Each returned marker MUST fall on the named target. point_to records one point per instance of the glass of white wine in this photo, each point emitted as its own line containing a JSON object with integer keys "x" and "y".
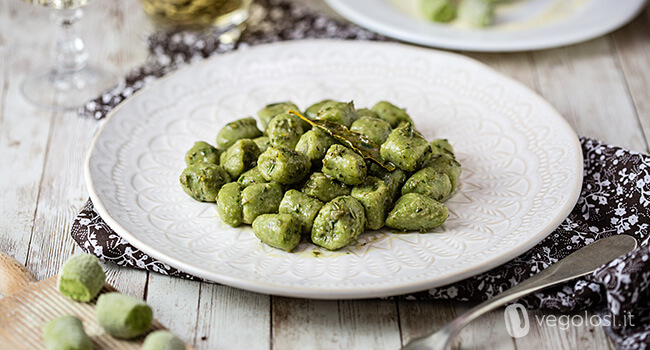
{"x": 70, "y": 81}
{"x": 223, "y": 17}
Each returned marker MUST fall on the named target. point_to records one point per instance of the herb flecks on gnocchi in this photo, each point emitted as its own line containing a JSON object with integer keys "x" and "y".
{"x": 325, "y": 175}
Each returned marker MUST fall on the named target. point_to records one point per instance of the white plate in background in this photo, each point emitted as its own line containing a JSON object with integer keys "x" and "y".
{"x": 520, "y": 26}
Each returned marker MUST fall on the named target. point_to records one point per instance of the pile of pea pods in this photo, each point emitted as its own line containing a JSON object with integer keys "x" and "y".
{"x": 294, "y": 179}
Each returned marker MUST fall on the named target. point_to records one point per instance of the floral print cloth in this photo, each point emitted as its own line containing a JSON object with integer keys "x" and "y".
{"x": 614, "y": 198}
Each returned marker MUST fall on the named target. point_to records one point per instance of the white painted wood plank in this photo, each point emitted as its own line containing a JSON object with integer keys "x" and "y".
{"x": 306, "y": 324}
{"x": 119, "y": 43}
{"x": 326, "y": 324}
{"x": 633, "y": 53}
{"x": 175, "y": 303}
{"x": 564, "y": 331}
{"x": 370, "y": 323}
{"x": 585, "y": 85}
{"x": 24, "y": 130}
{"x": 230, "y": 318}
{"x": 518, "y": 66}
{"x": 128, "y": 281}
{"x": 62, "y": 194}
{"x": 62, "y": 191}
{"x": 488, "y": 332}
{"x": 420, "y": 318}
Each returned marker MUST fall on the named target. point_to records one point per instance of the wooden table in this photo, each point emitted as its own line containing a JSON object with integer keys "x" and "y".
{"x": 601, "y": 87}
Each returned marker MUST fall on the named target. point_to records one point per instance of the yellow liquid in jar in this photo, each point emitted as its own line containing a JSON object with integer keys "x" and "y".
{"x": 197, "y": 13}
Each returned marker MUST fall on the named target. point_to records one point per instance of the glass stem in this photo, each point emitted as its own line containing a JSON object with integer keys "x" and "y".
{"x": 69, "y": 56}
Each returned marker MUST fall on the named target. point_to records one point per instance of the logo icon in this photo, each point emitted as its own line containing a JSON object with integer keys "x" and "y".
{"x": 517, "y": 322}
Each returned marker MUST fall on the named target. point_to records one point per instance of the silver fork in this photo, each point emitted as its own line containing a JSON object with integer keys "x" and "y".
{"x": 580, "y": 263}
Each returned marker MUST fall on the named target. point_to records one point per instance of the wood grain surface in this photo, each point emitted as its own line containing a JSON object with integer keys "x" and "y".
{"x": 24, "y": 313}
{"x": 601, "y": 87}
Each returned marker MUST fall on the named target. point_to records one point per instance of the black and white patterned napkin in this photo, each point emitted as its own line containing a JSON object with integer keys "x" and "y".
{"x": 614, "y": 198}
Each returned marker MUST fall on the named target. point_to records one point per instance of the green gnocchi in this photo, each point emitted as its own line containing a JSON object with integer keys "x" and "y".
{"x": 325, "y": 176}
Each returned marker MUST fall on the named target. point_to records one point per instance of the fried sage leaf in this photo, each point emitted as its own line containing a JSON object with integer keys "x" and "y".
{"x": 361, "y": 144}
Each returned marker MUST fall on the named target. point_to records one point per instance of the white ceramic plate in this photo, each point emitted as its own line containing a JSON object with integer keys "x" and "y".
{"x": 522, "y": 167}
{"x": 519, "y": 26}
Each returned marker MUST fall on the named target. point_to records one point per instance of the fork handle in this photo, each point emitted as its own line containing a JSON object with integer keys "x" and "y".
{"x": 580, "y": 263}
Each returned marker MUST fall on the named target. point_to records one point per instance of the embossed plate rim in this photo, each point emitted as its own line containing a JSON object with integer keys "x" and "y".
{"x": 335, "y": 291}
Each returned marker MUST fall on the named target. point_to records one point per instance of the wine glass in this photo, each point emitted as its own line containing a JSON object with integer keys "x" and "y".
{"x": 223, "y": 18}
{"x": 70, "y": 81}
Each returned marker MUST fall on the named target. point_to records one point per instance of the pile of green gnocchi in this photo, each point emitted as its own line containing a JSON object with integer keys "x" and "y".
{"x": 301, "y": 178}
